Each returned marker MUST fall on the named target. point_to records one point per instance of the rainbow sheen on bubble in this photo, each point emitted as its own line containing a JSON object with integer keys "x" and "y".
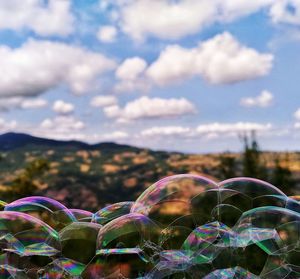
{"x": 183, "y": 226}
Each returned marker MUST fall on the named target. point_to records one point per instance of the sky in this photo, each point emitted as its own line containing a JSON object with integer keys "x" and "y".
{"x": 182, "y": 75}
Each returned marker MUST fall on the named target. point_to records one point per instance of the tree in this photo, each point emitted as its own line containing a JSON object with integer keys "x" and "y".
{"x": 251, "y": 159}
{"x": 24, "y": 184}
{"x": 282, "y": 177}
{"x": 228, "y": 166}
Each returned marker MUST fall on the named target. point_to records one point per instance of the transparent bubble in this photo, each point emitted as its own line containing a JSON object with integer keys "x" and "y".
{"x": 82, "y": 215}
{"x": 183, "y": 226}
{"x": 176, "y": 196}
{"x": 78, "y": 241}
{"x": 111, "y": 212}
{"x": 121, "y": 247}
{"x": 48, "y": 210}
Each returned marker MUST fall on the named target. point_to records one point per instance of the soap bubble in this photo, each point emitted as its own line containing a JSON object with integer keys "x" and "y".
{"x": 82, "y": 215}
{"x": 111, "y": 212}
{"x": 121, "y": 246}
{"x": 48, "y": 210}
{"x": 78, "y": 241}
{"x": 183, "y": 226}
{"x": 172, "y": 198}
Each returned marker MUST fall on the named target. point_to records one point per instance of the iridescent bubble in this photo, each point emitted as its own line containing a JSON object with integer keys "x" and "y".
{"x": 2, "y": 205}
{"x": 78, "y": 241}
{"x": 177, "y": 196}
{"x": 27, "y": 243}
{"x": 120, "y": 247}
{"x": 183, "y": 226}
{"x": 82, "y": 215}
{"x": 111, "y": 212}
{"x": 48, "y": 210}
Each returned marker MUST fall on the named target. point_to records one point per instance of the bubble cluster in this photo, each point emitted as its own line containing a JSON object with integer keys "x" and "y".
{"x": 183, "y": 226}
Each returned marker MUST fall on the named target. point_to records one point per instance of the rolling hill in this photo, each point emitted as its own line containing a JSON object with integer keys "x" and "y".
{"x": 90, "y": 176}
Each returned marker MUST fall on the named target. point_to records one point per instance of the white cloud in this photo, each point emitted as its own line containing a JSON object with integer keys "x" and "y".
{"x": 146, "y": 107}
{"x": 219, "y": 60}
{"x": 20, "y": 102}
{"x": 265, "y": 99}
{"x": 286, "y": 11}
{"x": 6, "y": 126}
{"x": 10, "y": 103}
{"x": 166, "y": 131}
{"x": 62, "y": 107}
{"x": 38, "y": 66}
{"x": 107, "y": 34}
{"x": 62, "y": 124}
{"x": 33, "y": 103}
{"x": 297, "y": 114}
{"x": 231, "y": 10}
{"x": 297, "y": 125}
{"x": 177, "y": 19}
{"x": 45, "y": 18}
{"x": 208, "y": 131}
{"x": 116, "y": 135}
{"x": 131, "y": 76}
{"x": 103, "y": 101}
{"x": 59, "y": 127}
{"x": 165, "y": 19}
{"x": 232, "y": 128}
{"x": 131, "y": 68}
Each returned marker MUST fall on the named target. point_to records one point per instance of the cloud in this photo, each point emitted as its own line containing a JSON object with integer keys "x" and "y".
{"x": 177, "y": 19}
{"x": 146, "y": 107}
{"x": 297, "y": 114}
{"x": 265, "y": 99}
{"x": 10, "y": 103}
{"x": 131, "y": 76}
{"x": 131, "y": 68}
{"x": 231, "y": 10}
{"x": 103, "y": 101}
{"x": 166, "y": 131}
{"x": 107, "y": 34}
{"x": 286, "y": 11}
{"x": 116, "y": 135}
{"x": 219, "y": 60}
{"x": 38, "y": 66}
{"x": 207, "y": 131}
{"x": 232, "y": 128}
{"x": 62, "y": 124}
{"x": 20, "y": 102}
{"x": 33, "y": 103}
{"x": 62, "y": 107}
{"x": 45, "y": 18}
{"x": 165, "y": 19}
{"x": 6, "y": 126}
{"x": 297, "y": 125}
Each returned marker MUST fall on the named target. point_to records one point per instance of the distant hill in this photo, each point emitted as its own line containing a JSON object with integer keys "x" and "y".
{"x": 12, "y": 141}
{"x": 82, "y": 175}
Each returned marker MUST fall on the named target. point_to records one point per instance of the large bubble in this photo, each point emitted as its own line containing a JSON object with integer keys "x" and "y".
{"x": 183, "y": 226}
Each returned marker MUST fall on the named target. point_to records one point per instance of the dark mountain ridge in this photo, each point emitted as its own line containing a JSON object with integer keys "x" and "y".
{"x": 12, "y": 141}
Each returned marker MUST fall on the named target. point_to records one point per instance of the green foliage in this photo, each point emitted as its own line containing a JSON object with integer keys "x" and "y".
{"x": 253, "y": 165}
{"x": 282, "y": 178}
{"x": 227, "y": 166}
{"x": 24, "y": 184}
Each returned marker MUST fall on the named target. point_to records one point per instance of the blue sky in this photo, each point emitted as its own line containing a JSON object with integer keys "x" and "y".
{"x": 180, "y": 75}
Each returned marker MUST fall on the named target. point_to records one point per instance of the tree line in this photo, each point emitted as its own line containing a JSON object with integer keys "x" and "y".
{"x": 253, "y": 164}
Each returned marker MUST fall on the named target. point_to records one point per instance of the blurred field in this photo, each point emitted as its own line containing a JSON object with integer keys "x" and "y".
{"x": 90, "y": 178}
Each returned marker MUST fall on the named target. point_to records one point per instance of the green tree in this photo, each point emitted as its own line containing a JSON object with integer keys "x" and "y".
{"x": 227, "y": 167}
{"x": 282, "y": 177}
{"x": 24, "y": 184}
{"x": 252, "y": 161}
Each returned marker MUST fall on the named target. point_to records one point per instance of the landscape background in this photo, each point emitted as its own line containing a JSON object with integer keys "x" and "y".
{"x": 91, "y": 176}
{"x": 142, "y": 89}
